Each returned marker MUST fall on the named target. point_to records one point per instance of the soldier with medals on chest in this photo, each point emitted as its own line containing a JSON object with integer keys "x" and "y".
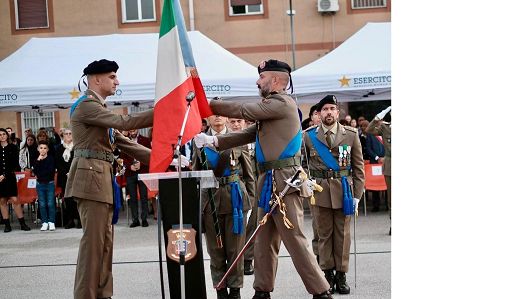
{"x": 91, "y": 176}
{"x": 233, "y": 170}
{"x": 337, "y": 165}
{"x": 278, "y": 138}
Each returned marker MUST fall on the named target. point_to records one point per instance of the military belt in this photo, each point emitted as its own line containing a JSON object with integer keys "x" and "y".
{"x": 329, "y": 174}
{"x": 277, "y": 164}
{"x": 224, "y": 180}
{"x": 92, "y": 154}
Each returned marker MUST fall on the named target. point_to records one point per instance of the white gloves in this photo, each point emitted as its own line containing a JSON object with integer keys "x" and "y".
{"x": 382, "y": 114}
{"x": 184, "y": 162}
{"x": 356, "y": 200}
{"x": 202, "y": 140}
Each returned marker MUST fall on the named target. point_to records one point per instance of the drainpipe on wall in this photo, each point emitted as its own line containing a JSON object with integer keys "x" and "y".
{"x": 192, "y": 16}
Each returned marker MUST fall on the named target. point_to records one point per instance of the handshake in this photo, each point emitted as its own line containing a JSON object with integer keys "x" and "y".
{"x": 201, "y": 140}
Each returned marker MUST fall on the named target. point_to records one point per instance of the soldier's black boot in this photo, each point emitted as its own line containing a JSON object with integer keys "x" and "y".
{"x": 340, "y": 283}
{"x": 234, "y": 293}
{"x": 329, "y": 275}
{"x": 23, "y": 225}
{"x": 7, "y": 223}
{"x": 324, "y": 295}
{"x": 222, "y": 294}
{"x": 248, "y": 267}
{"x": 261, "y": 295}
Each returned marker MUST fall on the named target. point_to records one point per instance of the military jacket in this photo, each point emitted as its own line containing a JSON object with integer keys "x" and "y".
{"x": 238, "y": 161}
{"x": 277, "y": 124}
{"x": 331, "y": 196}
{"x": 90, "y": 123}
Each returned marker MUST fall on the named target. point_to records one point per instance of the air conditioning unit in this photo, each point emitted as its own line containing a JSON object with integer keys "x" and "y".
{"x": 328, "y": 5}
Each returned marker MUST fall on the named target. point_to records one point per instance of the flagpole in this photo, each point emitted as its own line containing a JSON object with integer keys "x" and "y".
{"x": 182, "y": 248}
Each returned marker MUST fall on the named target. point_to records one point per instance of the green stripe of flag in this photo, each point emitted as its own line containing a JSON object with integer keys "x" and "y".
{"x": 167, "y": 18}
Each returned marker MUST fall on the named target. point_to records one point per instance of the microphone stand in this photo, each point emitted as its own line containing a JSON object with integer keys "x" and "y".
{"x": 177, "y": 154}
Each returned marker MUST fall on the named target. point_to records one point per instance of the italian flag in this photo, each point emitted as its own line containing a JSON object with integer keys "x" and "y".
{"x": 176, "y": 76}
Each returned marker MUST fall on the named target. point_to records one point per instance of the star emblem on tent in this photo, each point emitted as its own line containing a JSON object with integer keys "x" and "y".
{"x": 344, "y": 81}
{"x": 74, "y": 93}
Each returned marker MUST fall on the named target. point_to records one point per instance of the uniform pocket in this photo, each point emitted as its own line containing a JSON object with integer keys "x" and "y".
{"x": 89, "y": 173}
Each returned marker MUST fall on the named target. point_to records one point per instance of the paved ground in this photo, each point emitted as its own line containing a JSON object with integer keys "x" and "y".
{"x": 41, "y": 265}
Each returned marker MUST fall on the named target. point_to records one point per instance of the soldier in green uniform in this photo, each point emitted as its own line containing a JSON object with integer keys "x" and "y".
{"x": 335, "y": 155}
{"x": 91, "y": 174}
{"x": 278, "y": 138}
{"x": 382, "y": 128}
{"x": 233, "y": 170}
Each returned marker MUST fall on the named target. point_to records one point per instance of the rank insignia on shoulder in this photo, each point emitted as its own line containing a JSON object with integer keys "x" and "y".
{"x": 266, "y": 101}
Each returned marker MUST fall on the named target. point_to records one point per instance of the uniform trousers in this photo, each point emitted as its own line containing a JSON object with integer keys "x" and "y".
{"x": 93, "y": 277}
{"x": 267, "y": 247}
{"x": 222, "y": 258}
{"x": 334, "y": 238}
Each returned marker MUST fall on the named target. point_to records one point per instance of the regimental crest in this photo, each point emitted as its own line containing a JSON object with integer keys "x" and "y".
{"x": 188, "y": 245}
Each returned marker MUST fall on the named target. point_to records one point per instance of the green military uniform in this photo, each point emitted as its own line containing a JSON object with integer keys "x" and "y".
{"x": 384, "y": 131}
{"x": 278, "y": 123}
{"x": 90, "y": 183}
{"x": 238, "y": 161}
{"x": 333, "y": 226}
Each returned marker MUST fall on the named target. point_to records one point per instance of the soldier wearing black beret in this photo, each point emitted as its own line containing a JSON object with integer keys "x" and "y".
{"x": 95, "y": 135}
{"x": 328, "y": 99}
{"x": 278, "y": 137}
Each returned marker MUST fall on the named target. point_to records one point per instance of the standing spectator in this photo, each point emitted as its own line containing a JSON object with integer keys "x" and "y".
{"x": 353, "y": 123}
{"x": 42, "y": 136}
{"x": 133, "y": 169}
{"x": 382, "y": 128}
{"x": 12, "y": 137}
{"x": 28, "y": 153}
{"x": 63, "y": 158}
{"x": 44, "y": 169}
{"x": 8, "y": 186}
{"x": 347, "y": 118}
{"x": 374, "y": 152}
{"x": 28, "y": 131}
{"x": 204, "y": 127}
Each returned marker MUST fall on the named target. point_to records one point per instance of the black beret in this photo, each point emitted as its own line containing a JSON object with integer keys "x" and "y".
{"x": 273, "y": 65}
{"x": 100, "y": 67}
{"x": 329, "y": 99}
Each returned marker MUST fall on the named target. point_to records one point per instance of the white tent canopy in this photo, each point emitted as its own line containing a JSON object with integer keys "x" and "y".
{"x": 45, "y": 71}
{"x": 359, "y": 66}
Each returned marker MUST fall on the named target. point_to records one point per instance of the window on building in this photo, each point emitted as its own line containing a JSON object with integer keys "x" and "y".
{"x": 134, "y": 11}
{"x": 363, "y": 4}
{"x": 31, "y": 14}
{"x": 35, "y": 120}
{"x": 245, "y": 7}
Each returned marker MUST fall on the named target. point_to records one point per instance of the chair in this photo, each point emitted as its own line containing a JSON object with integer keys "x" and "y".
{"x": 374, "y": 180}
{"x": 27, "y": 193}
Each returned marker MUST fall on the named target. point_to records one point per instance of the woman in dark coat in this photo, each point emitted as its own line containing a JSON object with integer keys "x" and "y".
{"x": 63, "y": 157}
{"x": 9, "y": 158}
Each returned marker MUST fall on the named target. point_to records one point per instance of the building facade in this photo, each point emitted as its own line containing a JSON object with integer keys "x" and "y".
{"x": 254, "y": 30}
